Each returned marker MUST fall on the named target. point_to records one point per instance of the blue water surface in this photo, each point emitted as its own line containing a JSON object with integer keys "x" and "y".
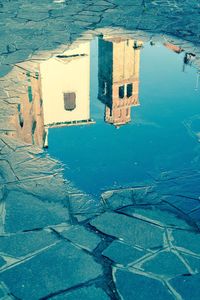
{"x": 101, "y": 156}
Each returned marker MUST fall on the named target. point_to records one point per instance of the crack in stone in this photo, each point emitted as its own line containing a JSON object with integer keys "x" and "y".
{"x": 74, "y": 288}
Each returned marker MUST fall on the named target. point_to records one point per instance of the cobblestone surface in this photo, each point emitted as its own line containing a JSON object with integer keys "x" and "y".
{"x": 134, "y": 237}
{"x": 57, "y": 242}
{"x": 30, "y": 26}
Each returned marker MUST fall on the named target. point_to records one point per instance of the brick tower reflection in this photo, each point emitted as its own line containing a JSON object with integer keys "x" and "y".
{"x": 119, "y": 62}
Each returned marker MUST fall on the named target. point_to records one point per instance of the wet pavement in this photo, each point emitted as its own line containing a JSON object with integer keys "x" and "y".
{"x": 103, "y": 226}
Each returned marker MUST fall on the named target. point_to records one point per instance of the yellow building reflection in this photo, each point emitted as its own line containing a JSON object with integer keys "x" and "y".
{"x": 119, "y": 64}
{"x": 29, "y": 120}
{"x": 66, "y": 87}
{"x": 58, "y": 94}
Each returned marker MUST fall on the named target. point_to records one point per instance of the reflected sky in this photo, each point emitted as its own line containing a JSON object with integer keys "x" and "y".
{"x": 158, "y": 136}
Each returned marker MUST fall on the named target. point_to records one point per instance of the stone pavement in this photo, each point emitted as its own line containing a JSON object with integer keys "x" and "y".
{"x": 30, "y": 26}
{"x": 56, "y": 241}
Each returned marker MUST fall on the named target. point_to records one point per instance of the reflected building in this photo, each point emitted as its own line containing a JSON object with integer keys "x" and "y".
{"x": 56, "y": 91}
{"x": 66, "y": 87}
{"x": 57, "y": 94}
{"x": 29, "y": 121}
{"x": 119, "y": 64}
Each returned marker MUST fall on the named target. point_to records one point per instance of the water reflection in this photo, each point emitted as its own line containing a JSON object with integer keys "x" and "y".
{"x": 66, "y": 88}
{"x": 58, "y": 94}
{"x": 59, "y": 91}
{"x": 30, "y": 119}
{"x": 101, "y": 83}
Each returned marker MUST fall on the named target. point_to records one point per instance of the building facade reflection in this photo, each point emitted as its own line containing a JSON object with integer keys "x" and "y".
{"x": 118, "y": 73}
{"x": 66, "y": 87}
{"x": 57, "y": 90}
{"x": 57, "y": 94}
{"x": 29, "y": 121}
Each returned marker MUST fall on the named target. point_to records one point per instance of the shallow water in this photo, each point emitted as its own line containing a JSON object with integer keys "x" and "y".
{"x": 160, "y": 135}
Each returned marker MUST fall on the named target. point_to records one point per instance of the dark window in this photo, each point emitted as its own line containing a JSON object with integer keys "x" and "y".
{"x": 129, "y": 90}
{"x": 30, "y": 95}
{"x": 121, "y": 91}
{"x": 69, "y": 101}
{"x": 105, "y": 88}
{"x": 34, "y": 124}
{"x": 21, "y": 120}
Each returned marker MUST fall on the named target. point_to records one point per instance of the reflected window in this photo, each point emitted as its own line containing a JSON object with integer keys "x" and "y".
{"x": 105, "y": 88}
{"x": 121, "y": 92}
{"x": 129, "y": 90}
{"x": 69, "y": 101}
{"x": 21, "y": 120}
{"x": 34, "y": 124}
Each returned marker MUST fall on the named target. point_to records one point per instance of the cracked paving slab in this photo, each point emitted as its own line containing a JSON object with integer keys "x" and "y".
{"x": 26, "y": 212}
{"x": 26, "y": 25}
{"x": 147, "y": 287}
{"x": 142, "y": 234}
{"x": 81, "y": 237}
{"x": 89, "y": 293}
{"x": 122, "y": 253}
{"x": 22, "y": 244}
{"x": 59, "y": 268}
{"x": 185, "y": 284}
{"x": 165, "y": 263}
{"x": 158, "y": 217}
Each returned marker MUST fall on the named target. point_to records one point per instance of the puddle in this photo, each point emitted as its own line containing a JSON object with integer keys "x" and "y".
{"x": 114, "y": 110}
{"x": 131, "y": 104}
